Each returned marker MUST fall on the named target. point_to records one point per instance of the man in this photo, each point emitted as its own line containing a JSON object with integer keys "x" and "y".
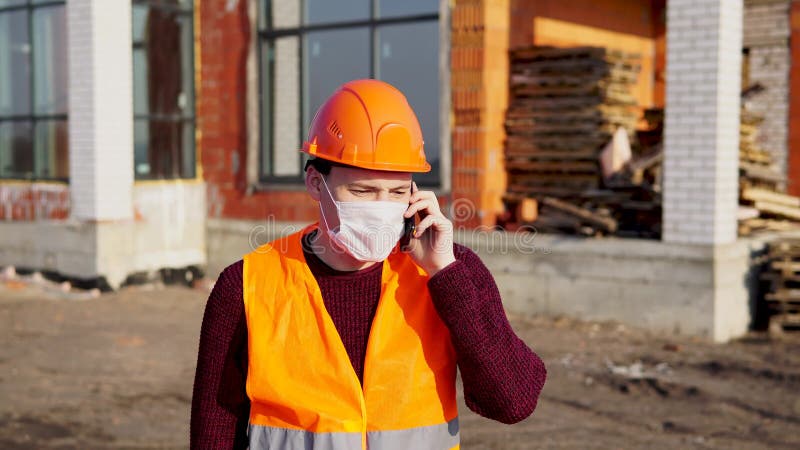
{"x": 336, "y": 338}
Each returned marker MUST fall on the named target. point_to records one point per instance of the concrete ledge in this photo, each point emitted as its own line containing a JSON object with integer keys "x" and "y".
{"x": 698, "y": 290}
{"x": 688, "y": 289}
{"x": 169, "y": 233}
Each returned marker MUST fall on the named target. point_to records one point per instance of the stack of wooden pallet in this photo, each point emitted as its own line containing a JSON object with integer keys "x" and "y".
{"x": 630, "y": 211}
{"x": 565, "y": 105}
{"x": 756, "y": 165}
{"x": 780, "y": 305}
{"x": 763, "y": 205}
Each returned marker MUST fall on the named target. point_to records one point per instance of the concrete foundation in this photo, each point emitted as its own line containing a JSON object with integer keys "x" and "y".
{"x": 168, "y": 232}
{"x": 705, "y": 291}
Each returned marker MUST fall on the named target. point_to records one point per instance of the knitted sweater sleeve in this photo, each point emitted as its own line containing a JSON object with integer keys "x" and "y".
{"x": 220, "y": 407}
{"x": 502, "y": 376}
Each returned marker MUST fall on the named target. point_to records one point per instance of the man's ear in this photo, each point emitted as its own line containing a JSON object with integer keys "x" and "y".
{"x": 314, "y": 183}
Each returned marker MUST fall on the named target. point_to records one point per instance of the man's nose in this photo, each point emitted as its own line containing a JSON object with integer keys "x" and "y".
{"x": 382, "y": 195}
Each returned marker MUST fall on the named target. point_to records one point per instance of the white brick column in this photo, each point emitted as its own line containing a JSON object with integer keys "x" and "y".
{"x": 701, "y": 136}
{"x": 100, "y": 109}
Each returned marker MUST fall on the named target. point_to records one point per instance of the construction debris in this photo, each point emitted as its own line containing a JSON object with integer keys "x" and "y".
{"x": 10, "y": 279}
{"x": 780, "y": 304}
{"x": 566, "y": 104}
{"x": 760, "y": 184}
{"x": 569, "y": 124}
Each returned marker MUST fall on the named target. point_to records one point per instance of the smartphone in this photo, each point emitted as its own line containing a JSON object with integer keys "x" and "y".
{"x": 409, "y": 226}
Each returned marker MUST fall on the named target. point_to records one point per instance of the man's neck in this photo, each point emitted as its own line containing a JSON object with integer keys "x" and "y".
{"x": 335, "y": 258}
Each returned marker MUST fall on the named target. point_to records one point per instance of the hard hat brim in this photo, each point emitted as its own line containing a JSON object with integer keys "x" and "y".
{"x": 389, "y": 167}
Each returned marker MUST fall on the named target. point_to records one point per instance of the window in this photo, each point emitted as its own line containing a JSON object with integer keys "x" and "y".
{"x": 163, "y": 89}
{"x": 308, "y": 48}
{"x": 33, "y": 90}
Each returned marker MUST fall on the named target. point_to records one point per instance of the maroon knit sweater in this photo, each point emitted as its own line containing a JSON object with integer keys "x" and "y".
{"x": 502, "y": 377}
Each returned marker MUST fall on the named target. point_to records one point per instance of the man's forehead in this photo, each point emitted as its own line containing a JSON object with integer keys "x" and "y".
{"x": 375, "y": 178}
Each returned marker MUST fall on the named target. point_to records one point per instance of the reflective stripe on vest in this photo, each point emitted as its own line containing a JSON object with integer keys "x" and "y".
{"x": 434, "y": 437}
{"x": 302, "y": 387}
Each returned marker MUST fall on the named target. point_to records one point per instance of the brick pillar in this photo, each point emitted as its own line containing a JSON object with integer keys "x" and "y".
{"x": 100, "y": 109}
{"x": 701, "y": 136}
{"x": 479, "y": 86}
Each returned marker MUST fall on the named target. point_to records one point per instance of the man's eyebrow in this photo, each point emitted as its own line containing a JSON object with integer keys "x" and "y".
{"x": 358, "y": 185}
{"x": 405, "y": 186}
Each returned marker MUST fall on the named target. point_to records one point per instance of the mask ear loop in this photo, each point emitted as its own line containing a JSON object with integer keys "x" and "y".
{"x": 322, "y": 211}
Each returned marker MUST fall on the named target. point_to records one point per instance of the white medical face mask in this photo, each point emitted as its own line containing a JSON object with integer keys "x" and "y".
{"x": 368, "y": 230}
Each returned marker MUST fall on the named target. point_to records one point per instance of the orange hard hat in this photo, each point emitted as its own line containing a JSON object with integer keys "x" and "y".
{"x": 368, "y": 124}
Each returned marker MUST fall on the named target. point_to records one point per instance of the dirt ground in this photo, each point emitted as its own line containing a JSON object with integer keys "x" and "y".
{"x": 116, "y": 372}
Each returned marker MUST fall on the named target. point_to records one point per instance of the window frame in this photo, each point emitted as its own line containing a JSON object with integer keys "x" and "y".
{"x": 32, "y": 117}
{"x": 187, "y": 11}
{"x": 266, "y": 36}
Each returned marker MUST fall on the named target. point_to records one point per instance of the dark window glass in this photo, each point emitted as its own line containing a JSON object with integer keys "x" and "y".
{"x": 328, "y": 11}
{"x": 33, "y": 90}
{"x": 50, "y": 60}
{"x": 408, "y": 58}
{"x": 394, "y": 8}
{"x": 267, "y": 74}
{"x": 52, "y": 160}
{"x": 332, "y": 58}
{"x": 163, "y": 90}
{"x": 341, "y": 41}
{"x": 139, "y": 16}
{"x": 141, "y": 140}
{"x": 15, "y": 64}
{"x": 16, "y": 155}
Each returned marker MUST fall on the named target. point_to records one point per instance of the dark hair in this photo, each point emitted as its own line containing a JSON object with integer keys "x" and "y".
{"x": 323, "y": 166}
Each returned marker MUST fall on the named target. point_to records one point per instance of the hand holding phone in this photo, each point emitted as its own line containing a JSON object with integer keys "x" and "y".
{"x": 432, "y": 245}
{"x": 409, "y": 226}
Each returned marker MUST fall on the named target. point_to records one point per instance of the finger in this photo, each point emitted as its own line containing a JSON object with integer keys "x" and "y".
{"x": 437, "y": 222}
{"x": 422, "y": 195}
{"x": 427, "y": 206}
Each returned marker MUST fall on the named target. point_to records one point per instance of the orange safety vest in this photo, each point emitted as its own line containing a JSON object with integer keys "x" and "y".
{"x": 303, "y": 390}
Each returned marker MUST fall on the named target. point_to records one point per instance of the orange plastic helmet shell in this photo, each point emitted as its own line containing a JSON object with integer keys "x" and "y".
{"x": 368, "y": 124}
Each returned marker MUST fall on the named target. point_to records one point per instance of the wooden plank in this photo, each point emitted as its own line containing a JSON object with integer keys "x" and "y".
{"x": 759, "y": 172}
{"x": 772, "y": 197}
{"x": 649, "y": 160}
{"x": 573, "y": 75}
{"x": 787, "y": 267}
{"x": 567, "y": 142}
{"x": 545, "y": 191}
{"x": 534, "y": 129}
{"x": 607, "y": 223}
{"x": 542, "y": 178}
{"x": 549, "y": 52}
{"x": 558, "y": 103}
{"x": 784, "y": 295}
{"x": 560, "y": 155}
{"x": 788, "y": 319}
{"x": 553, "y": 166}
{"x": 778, "y": 210}
{"x": 534, "y": 144}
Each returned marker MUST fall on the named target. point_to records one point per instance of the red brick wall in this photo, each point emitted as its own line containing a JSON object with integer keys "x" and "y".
{"x": 223, "y": 47}
{"x": 629, "y": 25}
{"x": 793, "y": 175}
{"x": 479, "y": 82}
{"x": 23, "y": 201}
{"x": 623, "y": 16}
